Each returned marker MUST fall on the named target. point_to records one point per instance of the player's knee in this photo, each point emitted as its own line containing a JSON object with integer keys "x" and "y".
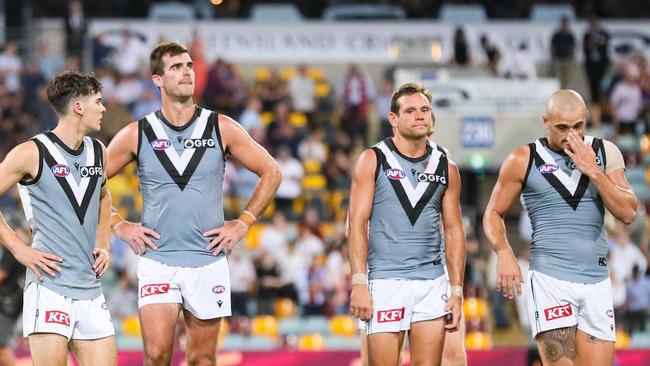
{"x": 454, "y": 357}
{"x": 201, "y": 359}
{"x": 157, "y": 355}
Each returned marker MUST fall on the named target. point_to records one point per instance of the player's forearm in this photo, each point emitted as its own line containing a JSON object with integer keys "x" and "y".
{"x": 358, "y": 247}
{"x": 495, "y": 231}
{"x": 8, "y": 237}
{"x": 455, "y": 256}
{"x": 265, "y": 190}
{"x": 621, "y": 202}
{"x": 104, "y": 222}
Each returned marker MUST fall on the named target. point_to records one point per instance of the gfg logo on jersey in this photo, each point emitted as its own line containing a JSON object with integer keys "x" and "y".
{"x": 387, "y": 316}
{"x": 60, "y": 170}
{"x": 548, "y": 168}
{"x": 91, "y": 171}
{"x": 160, "y": 144}
{"x": 395, "y": 174}
{"x": 154, "y": 289}
{"x": 572, "y": 165}
{"x": 57, "y": 317}
{"x": 431, "y": 178}
{"x": 198, "y": 143}
{"x": 558, "y": 312}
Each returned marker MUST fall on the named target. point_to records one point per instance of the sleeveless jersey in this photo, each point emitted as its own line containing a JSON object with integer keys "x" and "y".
{"x": 62, "y": 208}
{"x": 405, "y": 235}
{"x": 181, "y": 172}
{"x": 566, "y": 213}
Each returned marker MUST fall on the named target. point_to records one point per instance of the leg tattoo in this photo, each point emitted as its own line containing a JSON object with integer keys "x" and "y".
{"x": 559, "y": 343}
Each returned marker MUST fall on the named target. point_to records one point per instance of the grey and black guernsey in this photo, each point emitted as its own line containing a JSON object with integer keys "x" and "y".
{"x": 62, "y": 208}
{"x": 181, "y": 171}
{"x": 404, "y": 235}
{"x": 566, "y": 213}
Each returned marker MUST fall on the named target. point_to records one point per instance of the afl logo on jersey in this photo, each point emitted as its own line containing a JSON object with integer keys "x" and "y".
{"x": 90, "y": 171}
{"x": 161, "y": 144}
{"x": 548, "y": 168}
{"x": 395, "y": 174}
{"x": 60, "y": 170}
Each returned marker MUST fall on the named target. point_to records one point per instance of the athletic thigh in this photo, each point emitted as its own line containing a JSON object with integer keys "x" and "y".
{"x": 384, "y": 348}
{"x": 453, "y": 350}
{"x": 48, "y": 349}
{"x": 100, "y": 352}
{"x": 426, "y": 339}
{"x": 557, "y": 347}
{"x": 158, "y": 324}
{"x": 202, "y": 335}
{"x": 594, "y": 351}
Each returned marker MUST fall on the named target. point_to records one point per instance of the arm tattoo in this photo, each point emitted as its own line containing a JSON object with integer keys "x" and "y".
{"x": 559, "y": 343}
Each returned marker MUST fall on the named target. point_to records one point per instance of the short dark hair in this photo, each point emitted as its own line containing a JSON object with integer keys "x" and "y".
{"x": 155, "y": 59}
{"x": 408, "y": 89}
{"x": 69, "y": 85}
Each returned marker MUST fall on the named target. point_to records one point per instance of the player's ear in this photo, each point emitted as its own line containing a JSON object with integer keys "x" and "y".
{"x": 157, "y": 80}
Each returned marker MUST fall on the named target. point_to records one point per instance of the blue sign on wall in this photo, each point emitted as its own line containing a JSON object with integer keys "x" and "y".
{"x": 477, "y": 132}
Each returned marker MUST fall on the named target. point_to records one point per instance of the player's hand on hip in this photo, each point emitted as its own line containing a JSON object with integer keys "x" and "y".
{"x": 38, "y": 261}
{"x": 361, "y": 302}
{"x": 226, "y": 237}
{"x": 454, "y": 305}
{"x": 102, "y": 259}
{"x": 508, "y": 274}
{"x": 137, "y": 236}
{"x": 581, "y": 154}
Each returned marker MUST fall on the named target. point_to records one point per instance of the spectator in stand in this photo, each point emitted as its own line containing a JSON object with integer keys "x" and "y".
{"x": 31, "y": 81}
{"x": 291, "y": 185}
{"x": 337, "y": 169}
{"x": 76, "y": 26}
{"x": 149, "y": 102}
{"x": 102, "y": 52}
{"x": 273, "y": 91}
{"x": 563, "y": 46}
{"x": 12, "y": 281}
{"x": 493, "y": 56}
{"x": 522, "y": 65}
{"x": 123, "y": 300}
{"x": 356, "y": 91}
{"x": 130, "y": 56}
{"x": 10, "y": 67}
{"x": 302, "y": 92}
{"x": 313, "y": 148}
{"x": 626, "y": 101}
{"x": 293, "y": 269}
{"x": 115, "y": 118}
{"x": 242, "y": 282}
{"x": 318, "y": 291}
{"x": 269, "y": 283}
{"x": 637, "y": 304}
{"x": 383, "y": 107}
{"x": 462, "y": 55}
{"x": 280, "y": 132}
{"x": 200, "y": 65}
{"x": 594, "y": 44}
{"x": 129, "y": 90}
{"x": 624, "y": 253}
{"x": 48, "y": 63}
{"x": 251, "y": 118}
{"x": 275, "y": 238}
{"x": 308, "y": 245}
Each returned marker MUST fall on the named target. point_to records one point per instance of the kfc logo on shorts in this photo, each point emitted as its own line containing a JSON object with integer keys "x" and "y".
{"x": 610, "y": 313}
{"x": 387, "y": 316}
{"x": 395, "y": 174}
{"x": 548, "y": 168}
{"x": 57, "y": 317}
{"x": 218, "y": 289}
{"x": 154, "y": 289}
{"x": 558, "y": 312}
{"x": 60, "y": 170}
{"x": 161, "y": 144}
